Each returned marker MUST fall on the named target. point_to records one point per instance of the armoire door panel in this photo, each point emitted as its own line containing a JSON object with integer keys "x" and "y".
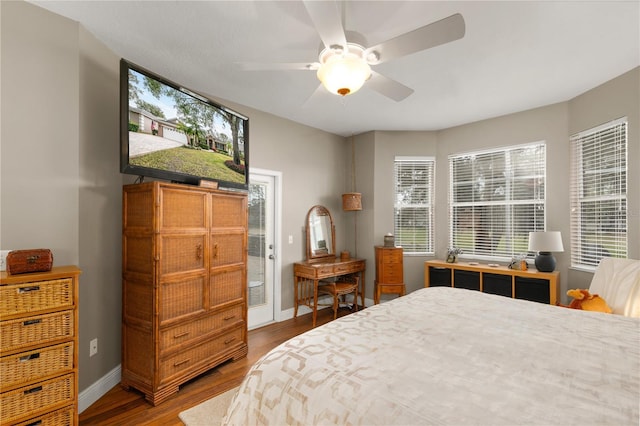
{"x": 182, "y": 253}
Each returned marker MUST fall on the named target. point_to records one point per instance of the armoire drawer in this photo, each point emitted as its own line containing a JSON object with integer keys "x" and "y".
{"x": 40, "y": 329}
{"x": 36, "y": 364}
{"x": 178, "y": 335}
{"x": 189, "y": 358}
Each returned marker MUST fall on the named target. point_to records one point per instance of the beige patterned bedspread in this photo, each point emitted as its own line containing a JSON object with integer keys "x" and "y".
{"x": 450, "y": 356}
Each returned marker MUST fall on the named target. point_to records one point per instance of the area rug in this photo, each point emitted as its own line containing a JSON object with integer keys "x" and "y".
{"x": 210, "y": 412}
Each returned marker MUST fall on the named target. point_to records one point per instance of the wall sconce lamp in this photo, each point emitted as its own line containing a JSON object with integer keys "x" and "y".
{"x": 543, "y": 243}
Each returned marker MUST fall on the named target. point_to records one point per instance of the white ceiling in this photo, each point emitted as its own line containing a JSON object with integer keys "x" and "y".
{"x": 514, "y": 56}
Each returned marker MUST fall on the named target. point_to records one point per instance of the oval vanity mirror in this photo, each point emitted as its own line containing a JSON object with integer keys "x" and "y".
{"x": 320, "y": 234}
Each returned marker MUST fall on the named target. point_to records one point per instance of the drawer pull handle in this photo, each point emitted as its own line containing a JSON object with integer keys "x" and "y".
{"x": 36, "y": 423}
{"x": 22, "y": 290}
{"x": 33, "y": 390}
{"x": 226, "y": 342}
{"x": 178, "y": 363}
{"x": 32, "y": 321}
{"x": 29, "y": 357}
{"x": 229, "y": 317}
{"x": 177, "y": 336}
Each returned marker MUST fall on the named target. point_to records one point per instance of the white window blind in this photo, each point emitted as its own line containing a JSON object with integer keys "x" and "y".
{"x": 413, "y": 206}
{"x": 599, "y": 194}
{"x": 496, "y": 198}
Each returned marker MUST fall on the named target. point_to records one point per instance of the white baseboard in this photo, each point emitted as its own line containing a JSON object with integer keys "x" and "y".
{"x": 98, "y": 389}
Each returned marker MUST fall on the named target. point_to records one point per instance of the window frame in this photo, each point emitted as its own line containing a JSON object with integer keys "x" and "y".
{"x": 414, "y": 246}
{"x": 485, "y": 248}
{"x": 594, "y": 180}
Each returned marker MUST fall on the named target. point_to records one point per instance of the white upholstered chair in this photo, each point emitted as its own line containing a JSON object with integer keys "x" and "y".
{"x": 618, "y": 282}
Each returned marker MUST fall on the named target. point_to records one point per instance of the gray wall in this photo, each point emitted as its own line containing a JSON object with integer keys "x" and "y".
{"x": 60, "y": 184}
{"x": 552, "y": 124}
{"x": 614, "y": 99}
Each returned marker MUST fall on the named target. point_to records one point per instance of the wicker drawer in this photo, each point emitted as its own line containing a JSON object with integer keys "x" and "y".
{"x": 36, "y": 364}
{"x": 189, "y": 359}
{"x": 16, "y": 299}
{"x": 62, "y": 417}
{"x": 171, "y": 337}
{"x": 24, "y": 402}
{"x": 38, "y": 329}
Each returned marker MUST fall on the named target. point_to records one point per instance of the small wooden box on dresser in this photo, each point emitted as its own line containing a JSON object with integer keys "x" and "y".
{"x": 39, "y": 349}
{"x": 389, "y": 272}
{"x": 184, "y": 259}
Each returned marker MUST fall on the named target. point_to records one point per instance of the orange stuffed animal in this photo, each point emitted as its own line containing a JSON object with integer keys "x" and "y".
{"x": 586, "y": 301}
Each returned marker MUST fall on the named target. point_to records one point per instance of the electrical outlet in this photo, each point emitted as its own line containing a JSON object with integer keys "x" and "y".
{"x": 3, "y": 259}
{"x": 93, "y": 347}
{"x": 290, "y": 239}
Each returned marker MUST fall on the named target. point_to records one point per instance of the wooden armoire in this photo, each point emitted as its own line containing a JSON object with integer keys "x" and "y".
{"x": 184, "y": 305}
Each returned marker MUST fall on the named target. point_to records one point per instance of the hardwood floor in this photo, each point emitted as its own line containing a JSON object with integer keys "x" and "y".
{"x": 120, "y": 407}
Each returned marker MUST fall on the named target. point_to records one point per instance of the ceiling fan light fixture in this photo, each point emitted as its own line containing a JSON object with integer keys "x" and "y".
{"x": 373, "y": 57}
{"x": 344, "y": 74}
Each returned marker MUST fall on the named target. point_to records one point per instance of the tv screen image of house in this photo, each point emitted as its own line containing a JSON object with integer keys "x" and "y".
{"x": 173, "y": 133}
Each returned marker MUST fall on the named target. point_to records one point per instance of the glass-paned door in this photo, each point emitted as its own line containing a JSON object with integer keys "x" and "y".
{"x": 261, "y": 250}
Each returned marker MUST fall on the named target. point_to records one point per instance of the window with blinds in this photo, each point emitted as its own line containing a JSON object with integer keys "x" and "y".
{"x": 413, "y": 205}
{"x": 496, "y": 198}
{"x": 599, "y": 194}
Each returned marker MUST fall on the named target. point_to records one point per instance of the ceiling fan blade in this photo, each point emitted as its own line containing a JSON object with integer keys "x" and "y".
{"x": 434, "y": 34}
{"x": 259, "y": 66}
{"x": 327, "y": 19}
{"x": 316, "y": 94}
{"x": 388, "y": 87}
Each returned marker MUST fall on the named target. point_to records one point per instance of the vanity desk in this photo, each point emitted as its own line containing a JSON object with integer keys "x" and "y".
{"x": 307, "y": 274}
{"x": 322, "y": 262}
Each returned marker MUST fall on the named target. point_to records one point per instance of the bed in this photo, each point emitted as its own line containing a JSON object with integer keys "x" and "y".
{"x": 450, "y": 356}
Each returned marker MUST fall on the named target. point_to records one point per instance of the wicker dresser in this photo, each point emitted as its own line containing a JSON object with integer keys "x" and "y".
{"x": 184, "y": 284}
{"x": 39, "y": 349}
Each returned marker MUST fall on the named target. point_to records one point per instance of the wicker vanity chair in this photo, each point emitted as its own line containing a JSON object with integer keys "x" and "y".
{"x": 339, "y": 288}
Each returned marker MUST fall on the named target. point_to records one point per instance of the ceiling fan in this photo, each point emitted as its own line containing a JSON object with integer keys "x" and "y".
{"x": 345, "y": 60}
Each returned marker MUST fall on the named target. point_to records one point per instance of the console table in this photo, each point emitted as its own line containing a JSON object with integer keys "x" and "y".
{"x": 519, "y": 284}
{"x": 307, "y": 274}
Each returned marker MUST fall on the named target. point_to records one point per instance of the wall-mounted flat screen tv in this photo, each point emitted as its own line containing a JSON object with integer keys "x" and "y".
{"x": 173, "y": 133}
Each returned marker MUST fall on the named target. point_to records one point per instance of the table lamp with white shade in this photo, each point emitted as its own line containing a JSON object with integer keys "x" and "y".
{"x": 544, "y": 243}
